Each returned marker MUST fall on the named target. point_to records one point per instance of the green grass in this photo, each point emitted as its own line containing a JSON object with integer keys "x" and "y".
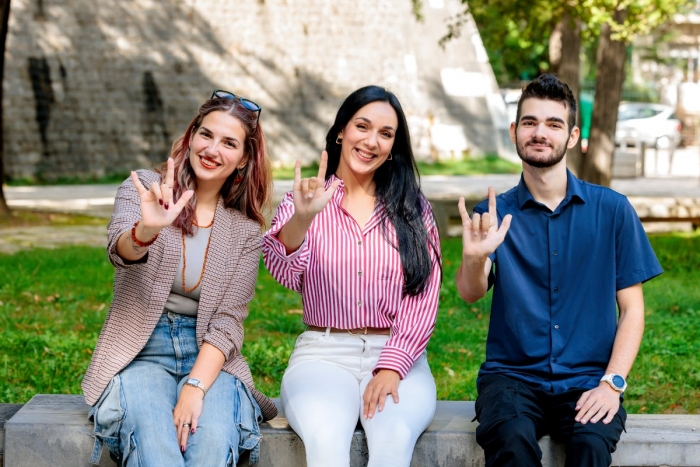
{"x": 489, "y": 164}
{"x": 109, "y": 179}
{"x": 53, "y": 303}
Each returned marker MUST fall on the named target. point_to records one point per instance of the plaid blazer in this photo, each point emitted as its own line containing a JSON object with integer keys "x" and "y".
{"x": 141, "y": 290}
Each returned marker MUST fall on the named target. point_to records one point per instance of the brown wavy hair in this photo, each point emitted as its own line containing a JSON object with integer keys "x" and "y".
{"x": 253, "y": 195}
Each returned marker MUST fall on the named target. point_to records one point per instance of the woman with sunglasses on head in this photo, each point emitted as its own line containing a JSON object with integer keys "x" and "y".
{"x": 360, "y": 243}
{"x": 167, "y": 382}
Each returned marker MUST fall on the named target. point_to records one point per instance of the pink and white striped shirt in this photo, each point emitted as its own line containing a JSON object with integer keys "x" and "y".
{"x": 351, "y": 278}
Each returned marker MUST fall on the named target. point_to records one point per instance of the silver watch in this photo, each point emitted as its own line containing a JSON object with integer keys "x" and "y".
{"x": 617, "y": 382}
{"x": 198, "y": 384}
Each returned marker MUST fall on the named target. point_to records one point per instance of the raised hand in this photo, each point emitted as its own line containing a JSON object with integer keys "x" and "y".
{"x": 310, "y": 194}
{"x": 157, "y": 207}
{"x": 481, "y": 234}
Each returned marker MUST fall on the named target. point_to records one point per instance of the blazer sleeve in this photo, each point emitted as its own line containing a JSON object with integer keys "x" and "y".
{"x": 225, "y": 329}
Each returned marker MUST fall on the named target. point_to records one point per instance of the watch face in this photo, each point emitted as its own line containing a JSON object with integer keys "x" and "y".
{"x": 193, "y": 381}
{"x": 618, "y": 381}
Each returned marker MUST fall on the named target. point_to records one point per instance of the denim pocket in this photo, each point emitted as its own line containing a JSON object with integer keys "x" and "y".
{"x": 248, "y": 419}
{"x": 107, "y": 415}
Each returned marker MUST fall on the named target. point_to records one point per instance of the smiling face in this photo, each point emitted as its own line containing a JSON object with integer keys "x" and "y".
{"x": 542, "y": 136}
{"x": 217, "y": 148}
{"x": 367, "y": 140}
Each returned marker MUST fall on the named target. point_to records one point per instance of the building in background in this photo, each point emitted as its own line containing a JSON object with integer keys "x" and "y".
{"x": 93, "y": 88}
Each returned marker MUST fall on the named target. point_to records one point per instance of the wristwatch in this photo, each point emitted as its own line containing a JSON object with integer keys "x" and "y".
{"x": 617, "y": 382}
{"x": 198, "y": 384}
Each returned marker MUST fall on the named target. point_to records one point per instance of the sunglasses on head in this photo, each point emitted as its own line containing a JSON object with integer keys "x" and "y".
{"x": 247, "y": 103}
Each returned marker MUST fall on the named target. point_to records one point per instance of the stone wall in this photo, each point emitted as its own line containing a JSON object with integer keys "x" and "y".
{"x": 97, "y": 87}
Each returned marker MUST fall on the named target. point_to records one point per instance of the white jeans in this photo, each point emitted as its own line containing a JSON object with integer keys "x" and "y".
{"x": 322, "y": 393}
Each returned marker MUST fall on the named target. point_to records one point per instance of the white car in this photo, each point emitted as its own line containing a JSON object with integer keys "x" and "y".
{"x": 655, "y": 125}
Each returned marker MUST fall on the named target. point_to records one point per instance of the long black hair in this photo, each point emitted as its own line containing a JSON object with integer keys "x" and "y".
{"x": 397, "y": 188}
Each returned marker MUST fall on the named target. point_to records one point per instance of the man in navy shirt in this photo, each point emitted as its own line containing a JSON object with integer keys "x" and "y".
{"x": 565, "y": 254}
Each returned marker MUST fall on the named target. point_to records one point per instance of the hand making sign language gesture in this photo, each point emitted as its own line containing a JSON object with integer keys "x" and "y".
{"x": 481, "y": 235}
{"x": 157, "y": 211}
{"x": 157, "y": 207}
{"x": 310, "y": 194}
{"x": 310, "y": 197}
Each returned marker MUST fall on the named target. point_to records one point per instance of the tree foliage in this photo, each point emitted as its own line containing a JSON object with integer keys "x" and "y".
{"x": 515, "y": 33}
{"x": 516, "y": 36}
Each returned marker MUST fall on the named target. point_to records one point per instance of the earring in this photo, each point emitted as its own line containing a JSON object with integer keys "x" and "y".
{"x": 239, "y": 176}
{"x": 339, "y": 140}
{"x": 390, "y": 157}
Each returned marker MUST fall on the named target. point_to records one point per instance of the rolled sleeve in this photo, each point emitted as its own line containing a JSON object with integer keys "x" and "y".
{"x": 287, "y": 269}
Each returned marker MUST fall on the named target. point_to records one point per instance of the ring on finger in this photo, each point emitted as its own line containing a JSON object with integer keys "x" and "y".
{"x": 186, "y": 425}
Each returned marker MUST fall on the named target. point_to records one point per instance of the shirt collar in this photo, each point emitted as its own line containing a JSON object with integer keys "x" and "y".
{"x": 340, "y": 192}
{"x": 574, "y": 189}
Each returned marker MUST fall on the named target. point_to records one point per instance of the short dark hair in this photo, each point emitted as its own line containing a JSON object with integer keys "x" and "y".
{"x": 548, "y": 86}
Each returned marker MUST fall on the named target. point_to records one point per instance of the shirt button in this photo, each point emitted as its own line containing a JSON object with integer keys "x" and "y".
{"x": 555, "y": 253}
{"x": 556, "y": 326}
{"x": 359, "y": 303}
{"x": 554, "y": 360}
{"x": 556, "y": 289}
{"x": 359, "y": 243}
{"x": 359, "y": 273}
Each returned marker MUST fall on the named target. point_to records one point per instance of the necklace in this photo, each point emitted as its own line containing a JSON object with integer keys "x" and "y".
{"x": 184, "y": 258}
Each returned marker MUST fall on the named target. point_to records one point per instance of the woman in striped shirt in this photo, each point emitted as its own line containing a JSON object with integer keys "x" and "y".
{"x": 360, "y": 243}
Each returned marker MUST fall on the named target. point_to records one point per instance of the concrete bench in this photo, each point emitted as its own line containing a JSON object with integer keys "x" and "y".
{"x": 648, "y": 208}
{"x": 52, "y": 430}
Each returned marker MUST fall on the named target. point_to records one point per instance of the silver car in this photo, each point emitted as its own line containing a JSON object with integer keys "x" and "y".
{"x": 655, "y": 125}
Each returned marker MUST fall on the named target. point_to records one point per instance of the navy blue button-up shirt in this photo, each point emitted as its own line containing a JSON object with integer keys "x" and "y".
{"x": 554, "y": 314}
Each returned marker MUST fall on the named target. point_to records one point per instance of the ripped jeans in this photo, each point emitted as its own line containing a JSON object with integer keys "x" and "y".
{"x": 134, "y": 415}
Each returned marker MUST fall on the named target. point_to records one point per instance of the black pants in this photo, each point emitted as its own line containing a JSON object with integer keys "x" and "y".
{"x": 513, "y": 416}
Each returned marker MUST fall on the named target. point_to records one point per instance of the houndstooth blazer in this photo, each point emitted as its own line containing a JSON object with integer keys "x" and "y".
{"x": 141, "y": 290}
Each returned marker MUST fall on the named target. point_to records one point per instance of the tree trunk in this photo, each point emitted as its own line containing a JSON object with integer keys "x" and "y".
{"x": 555, "y": 46}
{"x": 568, "y": 55}
{"x": 5, "y": 13}
{"x": 610, "y": 63}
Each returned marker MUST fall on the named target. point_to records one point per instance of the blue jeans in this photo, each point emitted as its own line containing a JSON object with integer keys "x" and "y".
{"x": 134, "y": 415}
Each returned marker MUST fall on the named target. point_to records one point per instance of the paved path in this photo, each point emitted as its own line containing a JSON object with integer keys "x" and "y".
{"x": 23, "y": 238}
{"x": 683, "y": 180}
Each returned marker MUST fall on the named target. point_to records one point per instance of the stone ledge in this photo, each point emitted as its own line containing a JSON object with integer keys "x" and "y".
{"x": 52, "y": 430}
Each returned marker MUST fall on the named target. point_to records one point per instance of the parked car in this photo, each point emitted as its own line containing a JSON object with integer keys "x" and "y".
{"x": 655, "y": 125}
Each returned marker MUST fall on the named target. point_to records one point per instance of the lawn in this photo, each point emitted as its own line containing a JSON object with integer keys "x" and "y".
{"x": 53, "y": 303}
{"x": 489, "y": 164}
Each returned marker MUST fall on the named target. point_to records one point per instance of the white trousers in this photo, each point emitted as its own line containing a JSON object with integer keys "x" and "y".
{"x": 322, "y": 392}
